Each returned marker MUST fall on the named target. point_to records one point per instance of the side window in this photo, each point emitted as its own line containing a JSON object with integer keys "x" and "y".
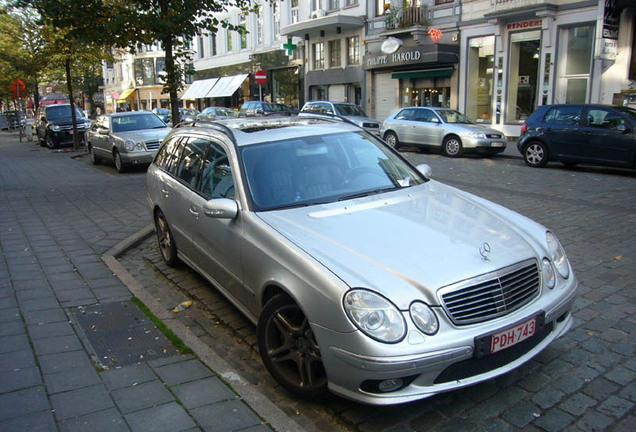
{"x": 423, "y": 115}
{"x": 604, "y": 119}
{"x": 216, "y": 178}
{"x": 405, "y": 114}
{"x": 189, "y": 167}
{"x": 171, "y": 152}
{"x": 569, "y": 115}
{"x": 162, "y": 155}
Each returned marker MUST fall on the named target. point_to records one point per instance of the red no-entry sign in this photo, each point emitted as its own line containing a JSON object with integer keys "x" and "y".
{"x": 261, "y": 77}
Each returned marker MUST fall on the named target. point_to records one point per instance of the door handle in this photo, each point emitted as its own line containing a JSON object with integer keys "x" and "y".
{"x": 165, "y": 191}
{"x": 194, "y": 212}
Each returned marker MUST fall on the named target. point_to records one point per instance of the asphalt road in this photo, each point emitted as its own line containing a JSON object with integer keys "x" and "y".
{"x": 585, "y": 381}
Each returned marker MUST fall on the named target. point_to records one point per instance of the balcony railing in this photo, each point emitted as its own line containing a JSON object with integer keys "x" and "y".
{"x": 405, "y": 17}
{"x": 500, "y": 5}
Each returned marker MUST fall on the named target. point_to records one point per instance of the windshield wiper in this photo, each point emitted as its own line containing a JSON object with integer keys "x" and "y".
{"x": 368, "y": 193}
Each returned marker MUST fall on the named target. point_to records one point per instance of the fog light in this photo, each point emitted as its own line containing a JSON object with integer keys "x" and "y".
{"x": 390, "y": 384}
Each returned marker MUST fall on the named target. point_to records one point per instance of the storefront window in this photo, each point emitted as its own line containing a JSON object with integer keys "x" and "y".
{"x": 575, "y": 71}
{"x": 319, "y": 55}
{"x": 523, "y": 75}
{"x": 419, "y": 92}
{"x": 479, "y": 88}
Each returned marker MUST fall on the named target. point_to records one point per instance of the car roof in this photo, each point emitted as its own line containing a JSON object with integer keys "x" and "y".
{"x": 246, "y": 131}
{"x": 129, "y": 113}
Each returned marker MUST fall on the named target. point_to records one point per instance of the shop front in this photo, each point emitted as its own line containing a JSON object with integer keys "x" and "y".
{"x": 419, "y": 75}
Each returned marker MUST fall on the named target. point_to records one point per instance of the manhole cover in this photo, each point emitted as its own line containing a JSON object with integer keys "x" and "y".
{"x": 120, "y": 334}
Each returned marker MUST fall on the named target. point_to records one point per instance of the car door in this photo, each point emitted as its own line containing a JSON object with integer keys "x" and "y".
{"x": 428, "y": 128}
{"x": 404, "y": 125}
{"x": 218, "y": 241}
{"x": 99, "y": 138}
{"x": 562, "y": 131}
{"x": 606, "y": 137}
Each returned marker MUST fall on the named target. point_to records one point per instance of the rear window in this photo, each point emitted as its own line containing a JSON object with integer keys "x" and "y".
{"x": 565, "y": 115}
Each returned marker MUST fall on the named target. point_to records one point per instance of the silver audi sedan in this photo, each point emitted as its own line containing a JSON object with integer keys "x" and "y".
{"x": 363, "y": 275}
{"x": 126, "y": 138}
{"x": 441, "y": 128}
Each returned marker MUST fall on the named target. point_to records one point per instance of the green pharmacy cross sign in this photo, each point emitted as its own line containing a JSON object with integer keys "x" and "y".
{"x": 289, "y": 46}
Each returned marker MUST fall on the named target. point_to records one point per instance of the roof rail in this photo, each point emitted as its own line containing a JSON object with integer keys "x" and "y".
{"x": 331, "y": 116}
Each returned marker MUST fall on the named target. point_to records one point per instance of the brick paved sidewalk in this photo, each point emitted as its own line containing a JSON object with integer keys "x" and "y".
{"x": 58, "y": 219}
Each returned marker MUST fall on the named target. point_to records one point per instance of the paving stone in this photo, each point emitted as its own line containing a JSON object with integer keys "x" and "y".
{"x": 42, "y": 421}
{"x": 600, "y": 388}
{"x": 620, "y": 375}
{"x": 521, "y": 414}
{"x": 577, "y": 404}
{"x": 554, "y": 420}
{"x": 182, "y": 372}
{"x": 60, "y": 362}
{"x": 169, "y": 417}
{"x": 71, "y": 380}
{"x": 57, "y": 344}
{"x": 39, "y": 304}
{"x": 12, "y": 328}
{"x": 109, "y": 420}
{"x": 142, "y": 396}
{"x": 41, "y": 331}
{"x": 594, "y": 421}
{"x": 14, "y": 343}
{"x": 20, "y": 378}
{"x": 45, "y": 317}
{"x": 225, "y": 416}
{"x": 616, "y": 407}
{"x": 127, "y": 376}
{"x": 16, "y": 359}
{"x": 80, "y": 402}
{"x": 22, "y": 402}
{"x": 202, "y": 392}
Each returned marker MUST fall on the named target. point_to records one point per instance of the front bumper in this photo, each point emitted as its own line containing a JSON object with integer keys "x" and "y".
{"x": 137, "y": 158}
{"x": 484, "y": 145}
{"x": 66, "y": 136}
{"x": 452, "y": 364}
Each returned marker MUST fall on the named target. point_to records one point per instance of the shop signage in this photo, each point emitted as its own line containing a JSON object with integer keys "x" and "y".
{"x": 522, "y": 25}
{"x": 405, "y": 57}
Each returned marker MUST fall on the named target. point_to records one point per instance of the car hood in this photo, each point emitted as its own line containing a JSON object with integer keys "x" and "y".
{"x": 143, "y": 134}
{"x": 409, "y": 243}
{"x": 68, "y": 121}
{"x": 477, "y": 128}
{"x": 360, "y": 120}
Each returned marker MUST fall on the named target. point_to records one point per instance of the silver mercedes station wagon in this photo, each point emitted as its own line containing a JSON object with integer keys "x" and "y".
{"x": 363, "y": 275}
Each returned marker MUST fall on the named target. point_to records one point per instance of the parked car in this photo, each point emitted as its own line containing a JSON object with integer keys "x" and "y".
{"x": 579, "y": 133}
{"x": 188, "y": 114}
{"x": 362, "y": 274}
{"x": 126, "y": 138}
{"x": 260, "y": 109}
{"x": 163, "y": 113}
{"x": 441, "y": 128}
{"x": 54, "y": 125}
{"x": 213, "y": 113}
{"x": 347, "y": 110}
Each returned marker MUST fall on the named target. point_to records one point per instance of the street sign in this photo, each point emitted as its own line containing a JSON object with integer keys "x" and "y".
{"x": 18, "y": 89}
{"x": 261, "y": 76}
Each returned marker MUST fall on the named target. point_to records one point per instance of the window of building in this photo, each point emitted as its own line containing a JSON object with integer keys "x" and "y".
{"x": 243, "y": 31}
{"x": 523, "y": 75}
{"x": 259, "y": 27}
{"x": 276, "y": 18}
{"x": 353, "y": 50}
{"x": 228, "y": 34}
{"x": 575, "y": 62}
{"x": 212, "y": 45}
{"x": 335, "y": 53}
{"x": 381, "y": 6}
{"x": 479, "y": 81}
{"x": 319, "y": 55}
{"x": 316, "y": 5}
{"x": 350, "y": 2}
{"x": 200, "y": 50}
{"x": 334, "y": 4}
{"x": 295, "y": 12}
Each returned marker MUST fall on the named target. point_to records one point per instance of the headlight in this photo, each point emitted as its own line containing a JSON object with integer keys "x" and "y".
{"x": 132, "y": 146}
{"x": 476, "y": 135}
{"x": 549, "y": 277}
{"x": 55, "y": 128}
{"x": 557, "y": 255}
{"x": 424, "y": 318}
{"x": 375, "y": 316}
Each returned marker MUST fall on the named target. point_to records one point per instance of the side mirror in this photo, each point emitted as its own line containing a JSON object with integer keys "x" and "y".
{"x": 221, "y": 208}
{"x": 435, "y": 120}
{"x": 425, "y": 170}
{"x": 622, "y": 128}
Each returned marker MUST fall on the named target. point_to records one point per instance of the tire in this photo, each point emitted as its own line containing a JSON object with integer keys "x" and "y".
{"x": 166, "y": 242}
{"x": 392, "y": 140}
{"x": 95, "y": 160}
{"x": 289, "y": 349}
{"x": 119, "y": 164}
{"x": 535, "y": 154}
{"x": 452, "y": 146}
{"x": 49, "y": 142}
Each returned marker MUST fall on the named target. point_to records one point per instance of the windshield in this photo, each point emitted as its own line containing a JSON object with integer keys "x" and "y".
{"x": 452, "y": 116}
{"x": 322, "y": 169}
{"x": 629, "y": 112}
{"x": 349, "y": 110}
{"x": 60, "y": 112}
{"x": 133, "y": 122}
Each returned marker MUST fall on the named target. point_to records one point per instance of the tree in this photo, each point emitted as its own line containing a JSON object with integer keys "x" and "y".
{"x": 131, "y": 23}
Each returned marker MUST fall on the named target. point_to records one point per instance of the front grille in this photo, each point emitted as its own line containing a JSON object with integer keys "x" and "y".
{"x": 152, "y": 145}
{"x": 494, "y": 136}
{"x": 371, "y": 125}
{"x": 492, "y": 295}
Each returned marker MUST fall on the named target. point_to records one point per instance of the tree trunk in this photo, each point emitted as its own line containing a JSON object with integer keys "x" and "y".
{"x": 69, "y": 86}
{"x": 171, "y": 79}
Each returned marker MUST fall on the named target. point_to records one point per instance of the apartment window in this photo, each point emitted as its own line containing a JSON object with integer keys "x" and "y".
{"x": 276, "y": 18}
{"x": 259, "y": 27}
{"x": 381, "y": 6}
{"x": 350, "y": 2}
{"x": 335, "y": 53}
{"x": 243, "y": 32}
{"x": 212, "y": 45}
{"x": 319, "y": 55}
{"x": 334, "y": 4}
{"x": 200, "y": 51}
{"x": 575, "y": 62}
{"x": 229, "y": 40}
{"x": 353, "y": 50}
{"x": 316, "y": 5}
{"x": 295, "y": 12}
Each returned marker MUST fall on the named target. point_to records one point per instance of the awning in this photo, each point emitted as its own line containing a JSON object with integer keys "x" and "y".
{"x": 428, "y": 73}
{"x": 227, "y": 86}
{"x": 199, "y": 89}
{"x": 125, "y": 95}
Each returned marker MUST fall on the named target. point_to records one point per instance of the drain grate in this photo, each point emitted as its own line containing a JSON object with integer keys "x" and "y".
{"x": 120, "y": 334}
